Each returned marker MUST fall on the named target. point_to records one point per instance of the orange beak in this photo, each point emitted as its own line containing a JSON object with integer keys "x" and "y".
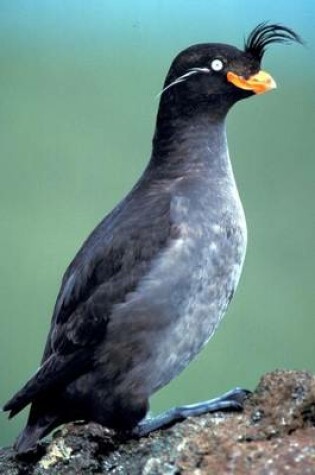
{"x": 258, "y": 83}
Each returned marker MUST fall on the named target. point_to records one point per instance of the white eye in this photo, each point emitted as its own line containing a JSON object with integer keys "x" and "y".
{"x": 216, "y": 65}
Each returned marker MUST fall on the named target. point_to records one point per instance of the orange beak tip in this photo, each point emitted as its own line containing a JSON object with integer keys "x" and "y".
{"x": 258, "y": 83}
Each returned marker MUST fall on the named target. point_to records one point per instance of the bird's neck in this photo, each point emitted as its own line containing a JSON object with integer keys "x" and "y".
{"x": 193, "y": 142}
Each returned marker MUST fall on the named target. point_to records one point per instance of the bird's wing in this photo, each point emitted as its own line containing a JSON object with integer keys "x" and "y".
{"x": 108, "y": 267}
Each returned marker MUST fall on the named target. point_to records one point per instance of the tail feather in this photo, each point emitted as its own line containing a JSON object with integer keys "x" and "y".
{"x": 29, "y": 437}
{"x": 41, "y": 420}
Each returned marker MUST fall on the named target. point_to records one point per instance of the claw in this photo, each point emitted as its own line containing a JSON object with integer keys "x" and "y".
{"x": 232, "y": 400}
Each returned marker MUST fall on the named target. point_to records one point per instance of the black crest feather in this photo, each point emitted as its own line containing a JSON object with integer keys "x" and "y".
{"x": 264, "y": 34}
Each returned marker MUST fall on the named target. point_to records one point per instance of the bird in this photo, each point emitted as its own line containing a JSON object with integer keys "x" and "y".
{"x": 151, "y": 283}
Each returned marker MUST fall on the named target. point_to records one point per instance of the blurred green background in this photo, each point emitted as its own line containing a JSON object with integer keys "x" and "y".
{"x": 78, "y": 82}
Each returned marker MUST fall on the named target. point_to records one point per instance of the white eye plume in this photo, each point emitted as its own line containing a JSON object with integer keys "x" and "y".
{"x": 184, "y": 77}
{"x": 217, "y": 65}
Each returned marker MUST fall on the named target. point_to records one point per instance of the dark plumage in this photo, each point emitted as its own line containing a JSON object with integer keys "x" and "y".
{"x": 149, "y": 286}
{"x": 264, "y": 35}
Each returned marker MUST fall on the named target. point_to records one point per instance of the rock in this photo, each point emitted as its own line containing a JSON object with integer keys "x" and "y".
{"x": 275, "y": 434}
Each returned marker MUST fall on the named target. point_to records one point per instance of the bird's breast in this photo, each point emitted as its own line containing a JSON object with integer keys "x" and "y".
{"x": 207, "y": 260}
{"x": 180, "y": 302}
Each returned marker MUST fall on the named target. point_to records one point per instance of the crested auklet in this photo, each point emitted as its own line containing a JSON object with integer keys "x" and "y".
{"x": 150, "y": 285}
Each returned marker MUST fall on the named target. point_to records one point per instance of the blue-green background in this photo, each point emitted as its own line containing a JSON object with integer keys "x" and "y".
{"x": 78, "y": 81}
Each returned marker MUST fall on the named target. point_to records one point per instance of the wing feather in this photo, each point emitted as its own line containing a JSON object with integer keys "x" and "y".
{"x": 109, "y": 265}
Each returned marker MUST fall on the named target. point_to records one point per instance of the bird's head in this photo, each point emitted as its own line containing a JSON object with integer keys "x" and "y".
{"x": 219, "y": 75}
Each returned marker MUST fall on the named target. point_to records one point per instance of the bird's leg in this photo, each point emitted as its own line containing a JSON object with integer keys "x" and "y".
{"x": 232, "y": 400}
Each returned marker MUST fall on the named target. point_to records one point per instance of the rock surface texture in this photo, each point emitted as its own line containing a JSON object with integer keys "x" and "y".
{"x": 274, "y": 435}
